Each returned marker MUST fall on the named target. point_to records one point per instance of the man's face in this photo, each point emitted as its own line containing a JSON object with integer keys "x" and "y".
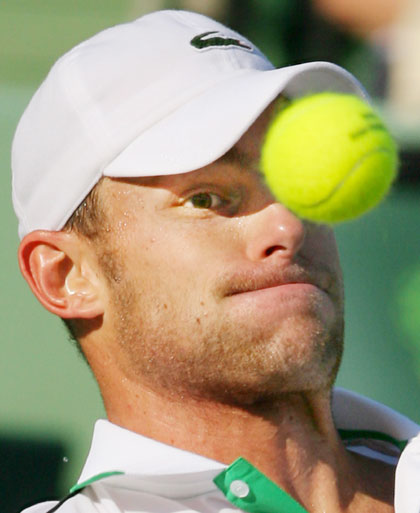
{"x": 214, "y": 289}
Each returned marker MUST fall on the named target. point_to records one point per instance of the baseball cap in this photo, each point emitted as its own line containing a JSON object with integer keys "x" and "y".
{"x": 165, "y": 94}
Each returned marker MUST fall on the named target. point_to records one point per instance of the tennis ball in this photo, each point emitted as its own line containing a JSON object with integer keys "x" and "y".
{"x": 328, "y": 157}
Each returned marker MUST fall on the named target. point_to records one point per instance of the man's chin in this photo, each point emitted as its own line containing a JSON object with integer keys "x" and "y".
{"x": 268, "y": 372}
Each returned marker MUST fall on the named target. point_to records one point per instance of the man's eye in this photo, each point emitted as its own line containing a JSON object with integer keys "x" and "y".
{"x": 204, "y": 200}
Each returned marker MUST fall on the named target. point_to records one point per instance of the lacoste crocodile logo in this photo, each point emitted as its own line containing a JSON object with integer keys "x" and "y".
{"x": 203, "y": 41}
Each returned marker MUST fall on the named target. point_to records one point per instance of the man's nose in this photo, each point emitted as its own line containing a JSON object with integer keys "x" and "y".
{"x": 274, "y": 230}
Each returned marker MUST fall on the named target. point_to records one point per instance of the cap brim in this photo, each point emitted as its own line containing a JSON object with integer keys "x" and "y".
{"x": 205, "y": 128}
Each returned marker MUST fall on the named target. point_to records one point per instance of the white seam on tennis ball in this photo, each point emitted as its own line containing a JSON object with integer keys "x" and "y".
{"x": 344, "y": 179}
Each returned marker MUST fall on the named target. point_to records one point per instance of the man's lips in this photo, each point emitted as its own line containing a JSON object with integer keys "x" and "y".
{"x": 272, "y": 285}
{"x": 256, "y": 281}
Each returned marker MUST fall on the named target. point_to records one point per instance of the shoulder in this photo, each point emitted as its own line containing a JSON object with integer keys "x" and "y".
{"x": 355, "y": 412}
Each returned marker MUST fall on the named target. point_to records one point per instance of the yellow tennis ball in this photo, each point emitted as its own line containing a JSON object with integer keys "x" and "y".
{"x": 328, "y": 157}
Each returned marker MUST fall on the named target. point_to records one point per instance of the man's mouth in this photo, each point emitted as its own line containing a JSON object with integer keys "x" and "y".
{"x": 273, "y": 285}
{"x": 244, "y": 283}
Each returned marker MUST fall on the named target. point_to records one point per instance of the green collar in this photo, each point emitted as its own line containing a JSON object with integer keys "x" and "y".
{"x": 263, "y": 497}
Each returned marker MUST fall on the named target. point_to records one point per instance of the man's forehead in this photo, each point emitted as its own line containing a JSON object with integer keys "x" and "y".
{"x": 238, "y": 157}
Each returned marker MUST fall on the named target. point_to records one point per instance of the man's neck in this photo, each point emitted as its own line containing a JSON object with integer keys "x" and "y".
{"x": 292, "y": 440}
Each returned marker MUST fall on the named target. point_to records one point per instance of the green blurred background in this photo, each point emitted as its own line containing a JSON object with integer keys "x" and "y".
{"x": 49, "y": 400}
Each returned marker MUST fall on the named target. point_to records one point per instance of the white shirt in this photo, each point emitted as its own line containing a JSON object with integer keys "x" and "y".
{"x": 129, "y": 473}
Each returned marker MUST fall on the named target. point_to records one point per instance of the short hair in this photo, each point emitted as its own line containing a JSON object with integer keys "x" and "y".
{"x": 86, "y": 219}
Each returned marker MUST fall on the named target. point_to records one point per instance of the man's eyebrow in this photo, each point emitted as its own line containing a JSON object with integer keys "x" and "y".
{"x": 149, "y": 181}
{"x": 237, "y": 157}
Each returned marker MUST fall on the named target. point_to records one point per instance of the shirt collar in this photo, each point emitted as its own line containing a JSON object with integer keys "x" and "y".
{"x": 117, "y": 449}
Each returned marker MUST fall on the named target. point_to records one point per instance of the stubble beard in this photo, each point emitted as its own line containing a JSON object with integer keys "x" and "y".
{"x": 219, "y": 359}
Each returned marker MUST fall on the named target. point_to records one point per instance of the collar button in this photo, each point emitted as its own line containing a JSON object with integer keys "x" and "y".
{"x": 239, "y": 488}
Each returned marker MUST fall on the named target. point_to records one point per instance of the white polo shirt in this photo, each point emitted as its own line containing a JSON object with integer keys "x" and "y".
{"x": 129, "y": 473}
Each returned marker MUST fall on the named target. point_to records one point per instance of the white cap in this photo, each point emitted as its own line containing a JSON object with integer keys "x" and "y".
{"x": 168, "y": 93}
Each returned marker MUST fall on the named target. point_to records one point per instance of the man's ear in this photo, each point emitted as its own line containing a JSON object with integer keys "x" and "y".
{"x": 60, "y": 272}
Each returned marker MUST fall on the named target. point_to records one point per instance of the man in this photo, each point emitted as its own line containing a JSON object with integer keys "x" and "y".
{"x": 211, "y": 316}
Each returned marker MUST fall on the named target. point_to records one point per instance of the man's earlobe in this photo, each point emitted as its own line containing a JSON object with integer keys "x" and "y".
{"x": 59, "y": 273}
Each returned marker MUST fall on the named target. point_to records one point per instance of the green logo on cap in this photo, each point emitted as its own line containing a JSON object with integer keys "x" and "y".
{"x": 202, "y": 41}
